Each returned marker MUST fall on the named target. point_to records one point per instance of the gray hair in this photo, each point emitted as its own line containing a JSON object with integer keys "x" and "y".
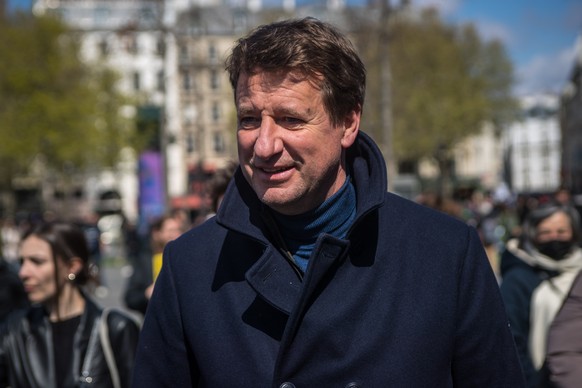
{"x": 536, "y": 216}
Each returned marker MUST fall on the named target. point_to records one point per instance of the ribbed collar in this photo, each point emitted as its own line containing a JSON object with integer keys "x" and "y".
{"x": 333, "y": 217}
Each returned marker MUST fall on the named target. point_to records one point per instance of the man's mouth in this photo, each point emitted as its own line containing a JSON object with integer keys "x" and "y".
{"x": 275, "y": 170}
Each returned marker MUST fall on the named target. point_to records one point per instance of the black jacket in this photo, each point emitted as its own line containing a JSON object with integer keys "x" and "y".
{"x": 519, "y": 281}
{"x": 140, "y": 279}
{"x": 26, "y": 350}
{"x": 12, "y": 295}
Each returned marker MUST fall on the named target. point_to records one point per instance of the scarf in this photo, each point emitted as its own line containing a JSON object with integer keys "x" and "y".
{"x": 548, "y": 296}
{"x": 334, "y": 217}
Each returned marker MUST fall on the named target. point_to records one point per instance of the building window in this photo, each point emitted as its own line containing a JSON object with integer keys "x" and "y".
{"x": 546, "y": 149}
{"x": 131, "y": 44}
{"x": 101, "y": 15}
{"x": 187, "y": 81}
{"x": 136, "y": 81}
{"x": 161, "y": 46}
{"x": 218, "y": 142}
{"x": 215, "y": 112}
{"x": 184, "y": 53}
{"x": 214, "y": 80}
{"x": 147, "y": 15}
{"x": 212, "y": 57}
{"x": 240, "y": 21}
{"x": 525, "y": 151}
{"x": 103, "y": 48}
{"x": 190, "y": 143}
{"x": 161, "y": 81}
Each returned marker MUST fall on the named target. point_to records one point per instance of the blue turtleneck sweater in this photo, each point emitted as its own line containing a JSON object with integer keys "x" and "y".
{"x": 333, "y": 217}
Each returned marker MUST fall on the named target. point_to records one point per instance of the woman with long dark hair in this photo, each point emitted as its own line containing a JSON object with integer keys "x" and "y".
{"x": 65, "y": 339}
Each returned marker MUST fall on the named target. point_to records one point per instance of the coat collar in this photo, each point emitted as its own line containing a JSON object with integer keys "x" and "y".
{"x": 241, "y": 209}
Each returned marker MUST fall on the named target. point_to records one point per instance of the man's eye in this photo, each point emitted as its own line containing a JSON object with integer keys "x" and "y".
{"x": 249, "y": 122}
{"x": 290, "y": 121}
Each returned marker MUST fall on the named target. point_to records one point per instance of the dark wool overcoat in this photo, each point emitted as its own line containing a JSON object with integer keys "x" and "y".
{"x": 408, "y": 299}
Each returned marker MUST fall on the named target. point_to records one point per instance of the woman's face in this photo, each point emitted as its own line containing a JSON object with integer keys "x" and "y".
{"x": 37, "y": 270}
{"x": 554, "y": 228}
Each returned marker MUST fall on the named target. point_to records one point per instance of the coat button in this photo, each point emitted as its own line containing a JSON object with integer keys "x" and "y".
{"x": 287, "y": 385}
{"x": 353, "y": 385}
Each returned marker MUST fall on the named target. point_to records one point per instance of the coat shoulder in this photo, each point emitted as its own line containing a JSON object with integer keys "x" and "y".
{"x": 409, "y": 213}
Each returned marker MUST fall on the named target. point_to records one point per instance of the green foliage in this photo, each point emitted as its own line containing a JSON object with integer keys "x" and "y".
{"x": 52, "y": 104}
{"x": 446, "y": 81}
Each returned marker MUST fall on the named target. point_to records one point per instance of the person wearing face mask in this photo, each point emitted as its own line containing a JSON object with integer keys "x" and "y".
{"x": 538, "y": 269}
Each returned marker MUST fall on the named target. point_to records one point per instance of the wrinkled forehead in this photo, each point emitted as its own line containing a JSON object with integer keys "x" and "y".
{"x": 273, "y": 79}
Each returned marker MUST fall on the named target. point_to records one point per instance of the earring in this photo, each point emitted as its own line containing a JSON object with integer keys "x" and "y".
{"x": 72, "y": 276}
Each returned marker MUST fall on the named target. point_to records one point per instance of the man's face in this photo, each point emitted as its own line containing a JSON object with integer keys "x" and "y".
{"x": 289, "y": 151}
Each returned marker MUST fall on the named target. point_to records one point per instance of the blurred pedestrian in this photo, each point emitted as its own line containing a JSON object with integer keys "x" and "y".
{"x": 65, "y": 339}
{"x": 563, "y": 366}
{"x": 90, "y": 227}
{"x": 499, "y": 226}
{"x": 12, "y": 295}
{"x": 563, "y": 196}
{"x": 183, "y": 217}
{"x": 217, "y": 186}
{"x": 311, "y": 274}
{"x": 149, "y": 262}
{"x": 9, "y": 239}
{"x": 537, "y": 271}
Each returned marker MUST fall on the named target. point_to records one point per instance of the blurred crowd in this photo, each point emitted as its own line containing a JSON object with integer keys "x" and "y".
{"x": 498, "y": 215}
{"x": 533, "y": 243}
{"x": 52, "y": 323}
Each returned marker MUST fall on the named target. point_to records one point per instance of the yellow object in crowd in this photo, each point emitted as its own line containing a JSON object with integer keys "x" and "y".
{"x": 156, "y": 265}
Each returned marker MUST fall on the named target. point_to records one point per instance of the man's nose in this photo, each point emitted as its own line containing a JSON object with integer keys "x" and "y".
{"x": 268, "y": 142}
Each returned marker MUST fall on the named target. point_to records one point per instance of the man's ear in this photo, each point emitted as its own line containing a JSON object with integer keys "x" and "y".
{"x": 351, "y": 126}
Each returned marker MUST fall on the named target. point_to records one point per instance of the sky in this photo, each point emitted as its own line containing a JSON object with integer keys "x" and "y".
{"x": 540, "y": 35}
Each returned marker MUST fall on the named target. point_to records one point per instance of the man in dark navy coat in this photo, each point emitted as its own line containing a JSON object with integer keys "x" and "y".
{"x": 312, "y": 274}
